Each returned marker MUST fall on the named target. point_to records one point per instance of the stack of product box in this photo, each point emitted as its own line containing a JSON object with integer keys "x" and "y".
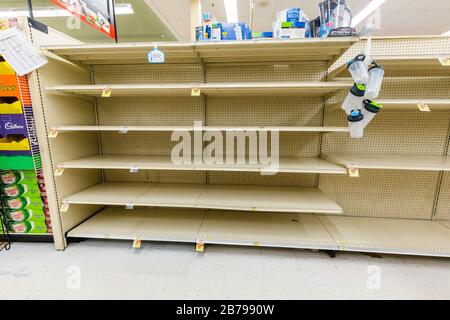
{"x": 211, "y": 30}
{"x": 22, "y": 187}
{"x": 23, "y": 202}
{"x": 291, "y": 24}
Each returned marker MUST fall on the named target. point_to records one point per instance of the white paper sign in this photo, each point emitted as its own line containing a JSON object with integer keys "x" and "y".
{"x": 19, "y": 52}
{"x": 156, "y": 56}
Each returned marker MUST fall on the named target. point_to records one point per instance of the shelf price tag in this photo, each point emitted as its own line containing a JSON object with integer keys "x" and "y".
{"x": 196, "y": 92}
{"x": 123, "y": 130}
{"x": 129, "y": 206}
{"x": 106, "y": 93}
{"x": 445, "y": 61}
{"x": 64, "y": 207}
{"x": 137, "y": 243}
{"x": 200, "y": 247}
{"x": 134, "y": 169}
{"x": 53, "y": 133}
{"x": 353, "y": 172}
{"x": 423, "y": 106}
{"x": 59, "y": 172}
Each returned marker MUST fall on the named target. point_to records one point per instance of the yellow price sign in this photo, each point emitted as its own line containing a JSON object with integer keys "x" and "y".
{"x": 196, "y": 92}
{"x": 353, "y": 172}
{"x": 423, "y": 106}
{"x": 64, "y": 207}
{"x": 106, "y": 93}
{"x": 200, "y": 247}
{"x": 137, "y": 243}
{"x": 59, "y": 172}
{"x": 53, "y": 133}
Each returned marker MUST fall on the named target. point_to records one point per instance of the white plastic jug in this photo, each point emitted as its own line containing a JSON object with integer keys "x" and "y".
{"x": 370, "y": 110}
{"x": 373, "y": 87}
{"x": 358, "y": 69}
{"x": 354, "y": 99}
{"x": 356, "y": 124}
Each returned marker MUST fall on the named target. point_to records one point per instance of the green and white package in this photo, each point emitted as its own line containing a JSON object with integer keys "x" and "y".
{"x": 14, "y": 177}
{"x": 24, "y": 215}
{"x": 27, "y": 227}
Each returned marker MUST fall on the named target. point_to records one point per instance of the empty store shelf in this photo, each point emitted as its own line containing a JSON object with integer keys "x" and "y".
{"x": 226, "y": 197}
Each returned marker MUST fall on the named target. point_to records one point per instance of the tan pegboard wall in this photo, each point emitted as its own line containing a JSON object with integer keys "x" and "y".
{"x": 398, "y": 46}
{"x": 150, "y": 111}
{"x": 305, "y": 71}
{"x": 146, "y": 73}
{"x": 156, "y": 176}
{"x": 255, "y": 178}
{"x": 384, "y": 194}
{"x": 265, "y": 111}
{"x": 397, "y": 132}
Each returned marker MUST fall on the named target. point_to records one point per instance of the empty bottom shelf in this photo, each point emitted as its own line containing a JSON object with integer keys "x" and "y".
{"x": 393, "y": 236}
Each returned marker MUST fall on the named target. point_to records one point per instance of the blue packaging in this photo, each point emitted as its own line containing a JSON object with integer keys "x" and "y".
{"x": 262, "y": 35}
{"x": 199, "y": 34}
{"x": 229, "y": 31}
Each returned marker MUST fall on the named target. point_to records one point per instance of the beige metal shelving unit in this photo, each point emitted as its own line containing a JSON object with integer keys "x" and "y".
{"x": 115, "y": 178}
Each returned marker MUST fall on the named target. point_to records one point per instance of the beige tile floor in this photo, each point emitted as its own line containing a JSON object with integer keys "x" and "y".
{"x": 112, "y": 270}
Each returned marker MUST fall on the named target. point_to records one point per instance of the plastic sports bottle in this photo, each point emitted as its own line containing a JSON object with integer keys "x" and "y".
{"x": 373, "y": 87}
{"x": 356, "y": 124}
{"x": 354, "y": 99}
{"x": 358, "y": 69}
{"x": 370, "y": 110}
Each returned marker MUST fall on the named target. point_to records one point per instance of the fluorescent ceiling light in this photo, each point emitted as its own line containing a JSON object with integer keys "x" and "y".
{"x": 367, "y": 11}
{"x": 231, "y": 11}
{"x": 121, "y": 9}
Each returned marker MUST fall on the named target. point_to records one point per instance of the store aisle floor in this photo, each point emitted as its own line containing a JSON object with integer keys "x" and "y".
{"x": 112, "y": 270}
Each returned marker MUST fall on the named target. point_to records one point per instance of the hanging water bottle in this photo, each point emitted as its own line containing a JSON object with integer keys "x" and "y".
{"x": 370, "y": 110}
{"x": 356, "y": 124}
{"x": 376, "y": 74}
{"x": 358, "y": 70}
{"x": 354, "y": 99}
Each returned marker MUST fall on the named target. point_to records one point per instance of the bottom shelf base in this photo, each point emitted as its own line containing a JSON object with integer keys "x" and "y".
{"x": 301, "y": 231}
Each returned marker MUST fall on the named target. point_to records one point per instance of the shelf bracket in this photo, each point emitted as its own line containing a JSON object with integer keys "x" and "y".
{"x": 56, "y": 57}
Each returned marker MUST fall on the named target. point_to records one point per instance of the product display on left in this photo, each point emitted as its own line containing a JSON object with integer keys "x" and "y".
{"x": 22, "y": 187}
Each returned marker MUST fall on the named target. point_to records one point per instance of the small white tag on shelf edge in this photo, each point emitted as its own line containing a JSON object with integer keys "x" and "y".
{"x": 137, "y": 243}
{"x": 123, "y": 130}
{"x": 59, "y": 172}
{"x": 53, "y": 133}
{"x": 156, "y": 56}
{"x": 134, "y": 169}
{"x": 65, "y": 207}
{"x": 353, "y": 172}
{"x": 423, "y": 106}
{"x": 129, "y": 206}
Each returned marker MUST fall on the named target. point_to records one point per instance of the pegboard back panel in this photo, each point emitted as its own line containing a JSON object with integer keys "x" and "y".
{"x": 305, "y": 71}
{"x": 255, "y": 178}
{"x": 384, "y": 194}
{"x": 399, "y": 132}
{"x": 398, "y": 46}
{"x": 156, "y": 176}
{"x": 150, "y": 111}
{"x": 147, "y": 73}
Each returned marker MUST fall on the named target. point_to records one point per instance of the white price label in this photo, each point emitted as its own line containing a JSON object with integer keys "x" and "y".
{"x": 53, "y": 133}
{"x": 59, "y": 172}
{"x": 65, "y": 207}
{"x": 423, "y": 106}
{"x": 134, "y": 169}
{"x": 129, "y": 206}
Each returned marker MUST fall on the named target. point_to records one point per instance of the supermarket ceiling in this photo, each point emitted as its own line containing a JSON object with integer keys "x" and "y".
{"x": 156, "y": 20}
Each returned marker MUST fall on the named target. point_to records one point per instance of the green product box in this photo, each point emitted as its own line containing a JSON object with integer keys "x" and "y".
{"x": 24, "y": 215}
{"x": 13, "y": 191}
{"x": 20, "y": 203}
{"x": 27, "y": 227}
{"x": 14, "y": 177}
{"x": 17, "y": 162}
